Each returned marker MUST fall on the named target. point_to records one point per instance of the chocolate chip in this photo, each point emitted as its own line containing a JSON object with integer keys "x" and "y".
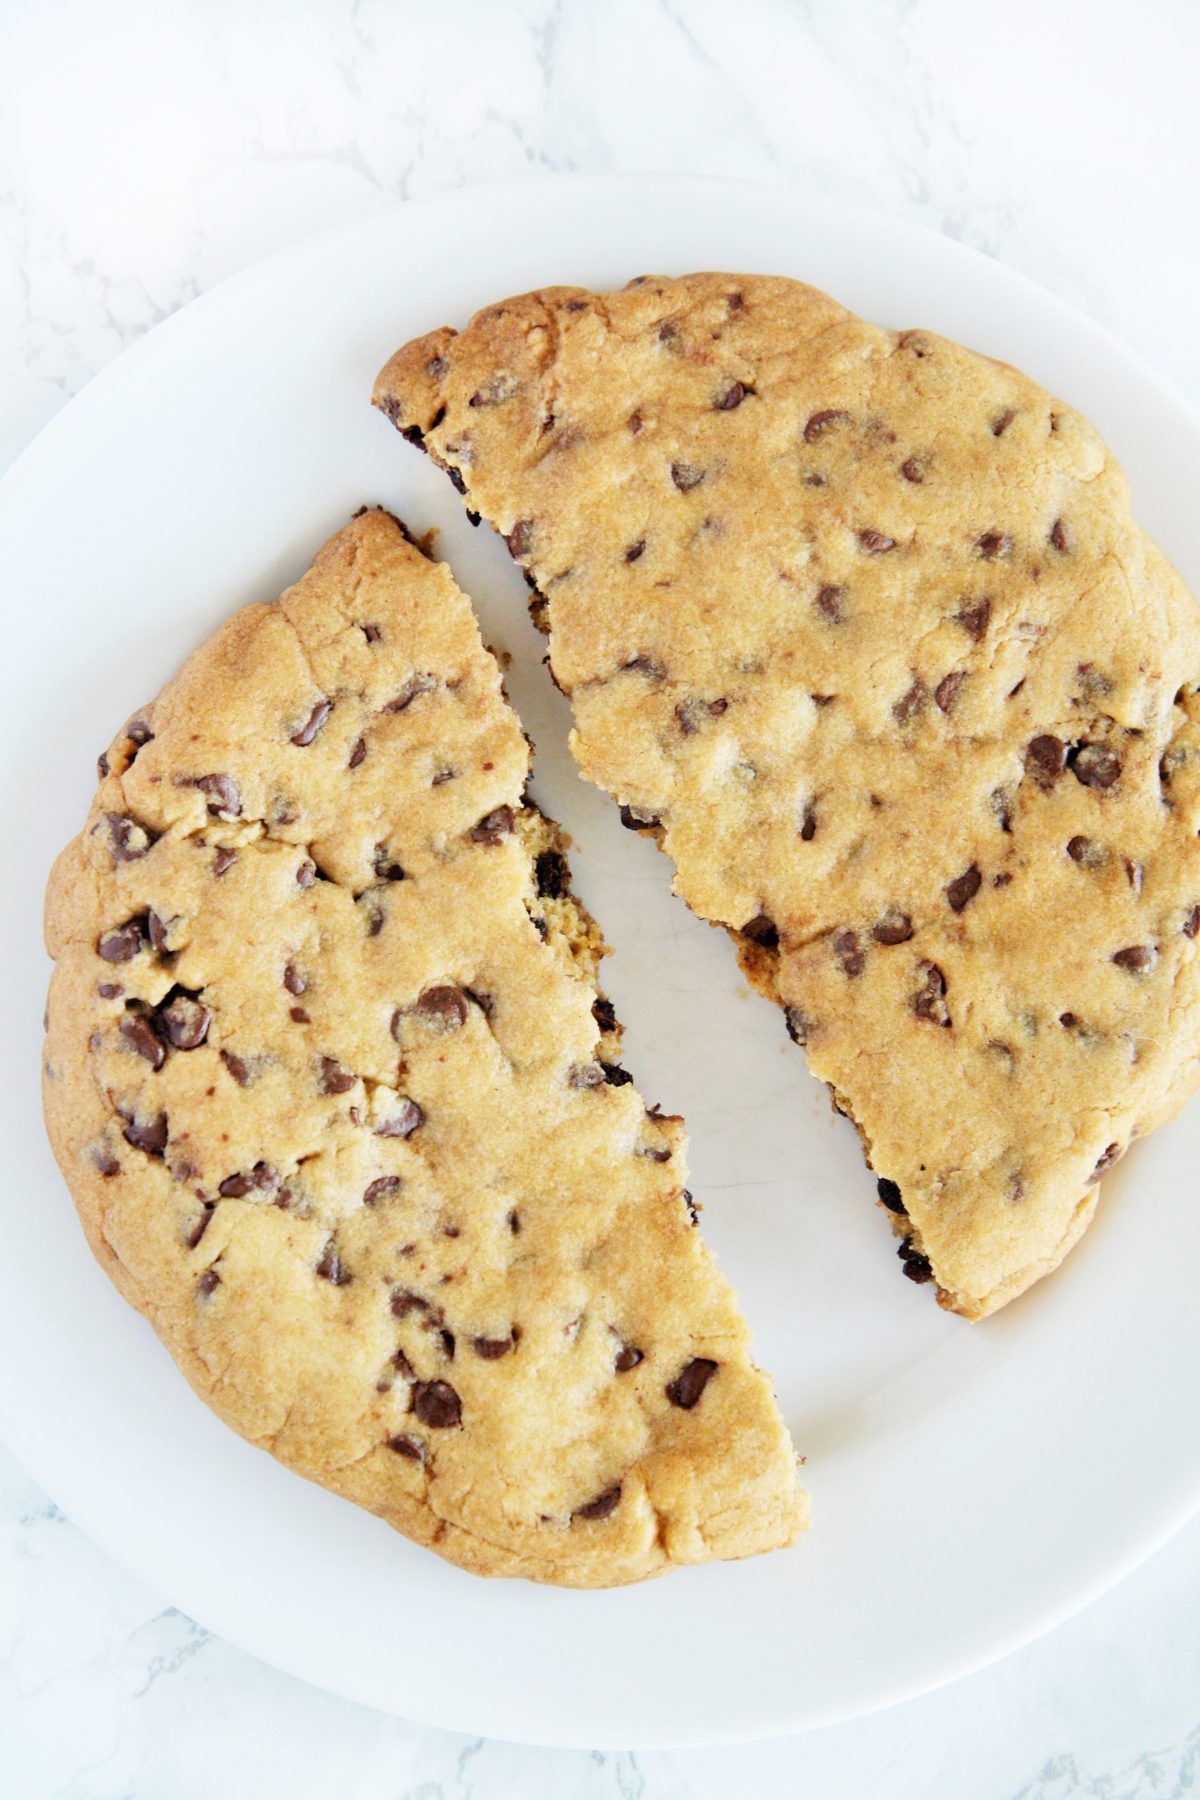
{"x": 1133, "y": 874}
{"x": 331, "y": 1267}
{"x": 808, "y": 825}
{"x": 634, "y": 819}
{"x": 382, "y": 1184}
{"x": 875, "y": 543}
{"x": 358, "y": 754}
{"x": 385, "y": 866}
{"x": 456, "y": 480}
{"x": 312, "y": 724}
{"x": 691, "y": 1382}
{"x": 124, "y": 942}
{"x": 306, "y": 874}
{"x": 436, "y": 1404}
{"x": 107, "y": 1163}
{"x": 947, "y": 689}
{"x": 552, "y": 875}
{"x": 443, "y": 1008}
{"x": 733, "y": 396}
{"x": 221, "y": 792}
{"x": 963, "y": 889}
{"x": 1082, "y": 850}
{"x": 494, "y": 826}
{"x": 137, "y": 1030}
{"x": 628, "y": 1357}
{"x": 158, "y": 933}
{"x": 1001, "y": 424}
{"x": 761, "y": 930}
{"x": 491, "y": 1349}
{"x": 604, "y": 1013}
{"x": 819, "y": 423}
{"x": 993, "y": 544}
{"x": 102, "y": 764}
{"x": 520, "y": 539}
{"x": 1068, "y": 1021}
{"x": 514, "y": 1222}
{"x": 799, "y": 1026}
{"x": 149, "y": 1135}
{"x": 1191, "y": 925}
{"x": 208, "y": 1283}
{"x": 693, "y": 1211}
{"x": 690, "y": 714}
{"x": 635, "y": 550}
{"x": 645, "y": 665}
{"x": 414, "y": 687}
{"x": 1058, "y": 537}
{"x": 601, "y": 1506}
{"x": 1105, "y": 1162}
{"x": 403, "y": 1122}
{"x": 635, "y": 423}
{"x": 404, "y": 1302}
{"x": 404, "y": 1445}
{"x": 585, "y": 1075}
{"x": 889, "y": 1194}
{"x": 1095, "y": 765}
{"x": 929, "y": 1002}
{"x": 849, "y": 952}
{"x": 913, "y": 469}
{"x": 293, "y": 981}
{"x": 224, "y": 859}
{"x": 829, "y": 599}
{"x": 335, "y": 1079}
{"x": 1045, "y": 759}
{"x": 615, "y": 1075}
{"x": 910, "y": 704}
{"x": 916, "y": 1266}
{"x": 112, "y": 990}
{"x": 128, "y": 839}
{"x": 372, "y": 633}
{"x": 1137, "y": 958}
{"x": 973, "y": 616}
{"x": 198, "y": 1229}
{"x": 236, "y": 1067}
{"x": 686, "y": 476}
{"x": 236, "y": 1187}
{"x": 186, "y": 1021}
{"x": 895, "y": 927}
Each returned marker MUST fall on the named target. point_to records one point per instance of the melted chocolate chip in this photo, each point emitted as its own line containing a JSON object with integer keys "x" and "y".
{"x": 414, "y": 687}
{"x": 820, "y": 422}
{"x": 377, "y": 1189}
{"x": 1191, "y": 925}
{"x": 223, "y": 860}
{"x": 1082, "y": 850}
{"x": 889, "y": 1195}
{"x": 197, "y": 1230}
{"x": 436, "y": 1404}
{"x": 403, "y": 1122}
{"x": 993, "y": 544}
{"x": 208, "y": 1283}
{"x": 829, "y": 599}
{"x": 404, "y": 1445}
{"x": 947, "y": 689}
{"x": 107, "y": 1163}
{"x": 312, "y": 724}
{"x": 799, "y": 1026}
{"x": 492, "y": 1349}
{"x": 963, "y": 889}
{"x": 102, "y": 764}
{"x": 186, "y": 1020}
{"x": 335, "y": 1079}
{"x": 929, "y": 1002}
{"x": 875, "y": 543}
{"x": 149, "y": 1135}
{"x": 913, "y": 469}
{"x": 112, "y": 990}
{"x": 691, "y": 1382}
{"x": 849, "y": 952}
{"x": 808, "y": 825}
{"x": 628, "y": 1357}
{"x": 306, "y": 874}
{"x": 236, "y": 1067}
{"x": 1045, "y": 759}
{"x": 910, "y": 704}
{"x": 895, "y": 927}
{"x": 494, "y": 826}
{"x": 520, "y": 539}
{"x": 221, "y": 792}
{"x": 633, "y": 819}
{"x": 973, "y": 616}
{"x": 123, "y": 944}
{"x": 128, "y": 839}
{"x": 1137, "y": 958}
{"x": 601, "y": 1506}
{"x": 443, "y": 1008}
{"x": 1059, "y": 538}
{"x": 293, "y": 981}
{"x": 761, "y": 930}
{"x": 331, "y": 1268}
{"x": 1095, "y": 765}
{"x": 1001, "y": 424}
{"x": 137, "y": 1030}
{"x": 733, "y": 396}
{"x": 385, "y": 865}
{"x": 1105, "y": 1162}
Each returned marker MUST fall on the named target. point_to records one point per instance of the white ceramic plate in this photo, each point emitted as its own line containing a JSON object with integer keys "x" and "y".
{"x": 972, "y": 1485}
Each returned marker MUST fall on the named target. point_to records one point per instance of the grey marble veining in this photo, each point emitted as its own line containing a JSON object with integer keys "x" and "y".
{"x": 147, "y": 151}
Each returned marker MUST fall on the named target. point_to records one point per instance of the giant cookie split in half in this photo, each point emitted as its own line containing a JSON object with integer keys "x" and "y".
{"x": 861, "y": 625}
{"x": 329, "y": 1079}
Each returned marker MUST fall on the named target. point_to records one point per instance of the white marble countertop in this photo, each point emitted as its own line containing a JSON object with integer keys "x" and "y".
{"x": 147, "y": 151}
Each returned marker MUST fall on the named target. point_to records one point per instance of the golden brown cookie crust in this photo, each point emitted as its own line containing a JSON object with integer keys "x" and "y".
{"x": 329, "y": 1078}
{"x": 861, "y": 624}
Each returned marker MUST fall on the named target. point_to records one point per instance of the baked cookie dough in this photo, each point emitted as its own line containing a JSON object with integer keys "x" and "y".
{"x": 331, "y": 1083}
{"x": 860, "y": 624}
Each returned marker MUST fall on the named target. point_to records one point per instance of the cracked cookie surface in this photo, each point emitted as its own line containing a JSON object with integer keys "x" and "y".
{"x": 860, "y": 624}
{"x": 332, "y": 1086}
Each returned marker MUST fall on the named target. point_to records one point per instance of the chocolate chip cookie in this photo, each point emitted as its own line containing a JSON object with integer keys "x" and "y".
{"x": 860, "y": 625}
{"x": 331, "y": 1082}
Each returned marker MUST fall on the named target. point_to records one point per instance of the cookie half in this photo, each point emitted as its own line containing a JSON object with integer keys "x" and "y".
{"x": 861, "y": 626}
{"x": 330, "y": 1080}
